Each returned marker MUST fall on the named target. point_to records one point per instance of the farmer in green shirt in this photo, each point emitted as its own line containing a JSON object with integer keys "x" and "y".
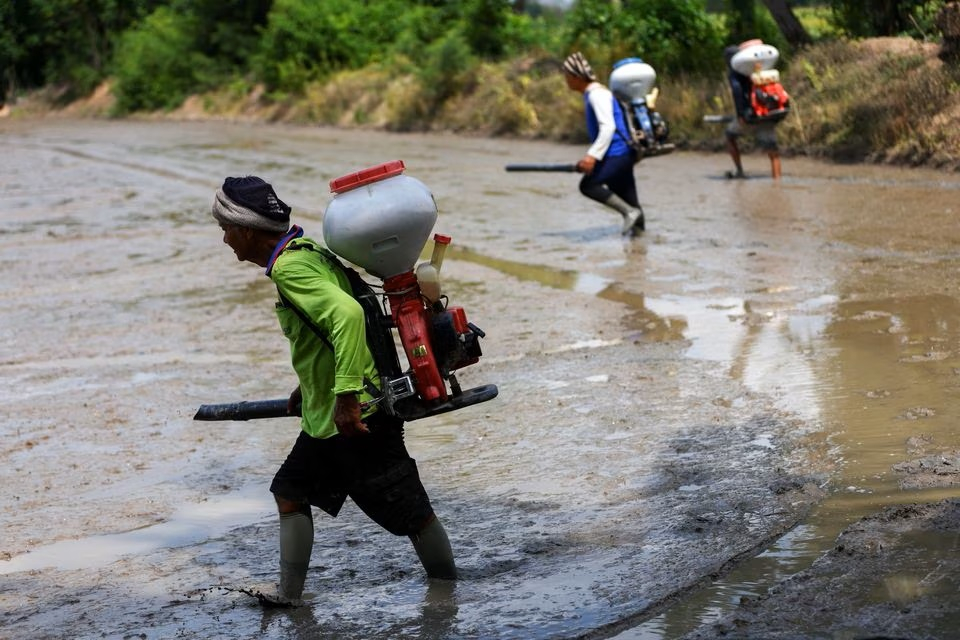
{"x": 347, "y": 446}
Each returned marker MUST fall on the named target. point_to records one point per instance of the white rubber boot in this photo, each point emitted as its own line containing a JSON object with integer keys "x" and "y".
{"x": 633, "y": 221}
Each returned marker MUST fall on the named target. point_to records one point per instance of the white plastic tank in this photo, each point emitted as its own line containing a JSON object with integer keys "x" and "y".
{"x": 752, "y": 53}
{"x": 632, "y": 79}
{"x": 379, "y": 219}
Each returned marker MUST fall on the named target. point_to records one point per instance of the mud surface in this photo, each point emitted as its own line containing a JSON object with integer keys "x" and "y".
{"x": 669, "y": 406}
{"x": 892, "y": 575}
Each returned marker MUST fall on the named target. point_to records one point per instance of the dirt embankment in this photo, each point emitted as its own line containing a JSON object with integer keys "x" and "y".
{"x": 885, "y": 100}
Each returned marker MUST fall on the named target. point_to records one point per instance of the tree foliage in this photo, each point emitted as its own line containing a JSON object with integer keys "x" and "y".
{"x": 790, "y": 26}
{"x": 184, "y": 46}
{"x": 161, "y": 50}
{"x": 672, "y": 35}
{"x": 484, "y": 22}
{"x": 746, "y": 20}
{"x": 156, "y": 66}
{"x": 884, "y": 17}
{"x": 62, "y": 42}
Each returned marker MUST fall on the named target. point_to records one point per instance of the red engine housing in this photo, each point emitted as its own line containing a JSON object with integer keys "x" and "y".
{"x": 436, "y": 341}
{"x": 412, "y": 320}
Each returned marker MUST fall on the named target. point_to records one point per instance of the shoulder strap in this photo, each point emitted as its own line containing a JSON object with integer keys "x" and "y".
{"x": 377, "y": 323}
{"x": 305, "y": 318}
{"x": 626, "y": 121}
{"x": 285, "y": 301}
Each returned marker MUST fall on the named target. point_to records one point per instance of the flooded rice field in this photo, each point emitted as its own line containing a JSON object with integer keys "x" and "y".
{"x": 685, "y": 419}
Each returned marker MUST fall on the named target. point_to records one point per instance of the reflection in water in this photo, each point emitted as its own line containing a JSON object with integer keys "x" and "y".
{"x": 881, "y": 371}
{"x": 639, "y": 317}
{"x": 642, "y": 315}
{"x": 568, "y": 280}
{"x": 439, "y": 610}
{"x": 772, "y": 350}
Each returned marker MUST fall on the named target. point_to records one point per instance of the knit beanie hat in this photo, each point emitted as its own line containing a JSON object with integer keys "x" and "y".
{"x": 251, "y": 202}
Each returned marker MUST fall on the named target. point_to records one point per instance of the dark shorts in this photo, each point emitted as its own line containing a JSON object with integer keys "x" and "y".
{"x": 374, "y": 470}
{"x": 765, "y": 133}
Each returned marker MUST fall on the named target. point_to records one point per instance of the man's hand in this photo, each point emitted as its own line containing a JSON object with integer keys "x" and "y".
{"x": 346, "y": 415}
{"x": 296, "y": 398}
{"x": 586, "y": 164}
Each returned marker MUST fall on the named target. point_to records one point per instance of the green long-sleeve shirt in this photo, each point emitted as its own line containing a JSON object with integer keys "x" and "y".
{"x": 322, "y": 292}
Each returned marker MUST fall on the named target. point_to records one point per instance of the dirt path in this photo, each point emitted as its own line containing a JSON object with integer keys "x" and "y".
{"x": 662, "y": 412}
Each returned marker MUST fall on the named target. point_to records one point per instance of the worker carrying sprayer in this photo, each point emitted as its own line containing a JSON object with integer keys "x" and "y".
{"x": 624, "y": 126}
{"x": 759, "y": 99}
{"x": 607, "y": 167}
{"x": 352, "y": 396}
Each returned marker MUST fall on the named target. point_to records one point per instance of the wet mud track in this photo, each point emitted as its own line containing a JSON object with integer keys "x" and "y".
{"x": 897, "y": 571}
{"x": 663, "y": 402}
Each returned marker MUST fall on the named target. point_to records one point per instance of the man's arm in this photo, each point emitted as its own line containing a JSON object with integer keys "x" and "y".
{"x": 601, "y": 101}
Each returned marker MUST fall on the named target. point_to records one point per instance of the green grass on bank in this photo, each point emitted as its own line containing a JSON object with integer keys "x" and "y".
{"x": 879, "y": 100}
{"x": 886, "y": 100}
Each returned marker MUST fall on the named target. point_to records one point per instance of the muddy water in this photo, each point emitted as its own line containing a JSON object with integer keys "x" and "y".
{"x": 669, "y": 406}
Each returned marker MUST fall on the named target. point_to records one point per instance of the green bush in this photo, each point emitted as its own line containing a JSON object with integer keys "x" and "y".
{"x": 818, "y": 21}
{"x": 672, "y": 35}
{"x": 483, "y": 24}
{"x": 305, "y": 41}
{"x": 524, "y": 35}
{"x": 416, "y": 29}
{"x": 156, "y": 66}
{"x": 446, "y": 67}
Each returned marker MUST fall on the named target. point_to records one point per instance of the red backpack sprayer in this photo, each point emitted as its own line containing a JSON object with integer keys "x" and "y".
{"x": 769, "y": 101}
{"x": 380, "y": 220}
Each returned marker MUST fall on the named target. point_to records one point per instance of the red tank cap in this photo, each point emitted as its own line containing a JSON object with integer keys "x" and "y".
{"x": 441, "y": 239}
{"x": 366, "y": 176}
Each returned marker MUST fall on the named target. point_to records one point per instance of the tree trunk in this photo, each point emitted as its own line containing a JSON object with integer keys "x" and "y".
{"x": 948, "y": 21}
{"x": 789, "y": 25}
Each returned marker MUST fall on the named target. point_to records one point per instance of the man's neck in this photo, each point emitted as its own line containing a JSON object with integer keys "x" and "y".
{"x": 274, "y": 246}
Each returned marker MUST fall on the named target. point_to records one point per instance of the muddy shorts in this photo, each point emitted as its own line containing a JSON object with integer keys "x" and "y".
{"x": 765, "y": 133}
{"x": 374, "y": 470}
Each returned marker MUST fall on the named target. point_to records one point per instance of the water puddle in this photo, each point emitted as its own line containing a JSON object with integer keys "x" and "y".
{"x": 770, "y": 345}
{"x": 567, "y": 280}
{"x": 856, "y": 367}
{"x": 189, "y": 525}
{"x": 866, "y": 402}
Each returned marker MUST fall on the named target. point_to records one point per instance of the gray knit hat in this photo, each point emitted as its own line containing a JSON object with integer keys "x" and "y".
{"x": 251, "y": 202}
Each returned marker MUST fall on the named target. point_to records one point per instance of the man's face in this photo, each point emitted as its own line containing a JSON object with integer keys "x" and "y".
{"x": 237, "y": 238}
{"x": 573, "y": 82}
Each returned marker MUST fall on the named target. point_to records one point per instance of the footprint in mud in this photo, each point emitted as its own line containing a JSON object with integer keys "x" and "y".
{"x": 264, "y": 600}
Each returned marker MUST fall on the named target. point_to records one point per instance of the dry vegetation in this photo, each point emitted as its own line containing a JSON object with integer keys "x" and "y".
{"x": 880, "y": 100}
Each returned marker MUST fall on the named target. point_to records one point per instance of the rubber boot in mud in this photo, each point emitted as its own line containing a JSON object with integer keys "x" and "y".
{"x": 433, "y": 549}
